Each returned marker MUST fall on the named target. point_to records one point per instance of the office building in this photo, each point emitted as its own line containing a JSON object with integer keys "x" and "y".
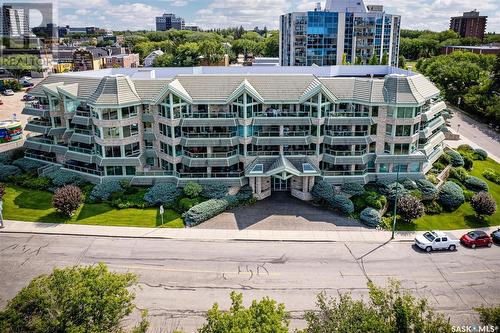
{"x": 493, "y": 49}
{"x": 345, "y": 32}
{"x": 275, "y": 128}
{"x": 169, "y": 21}
{"x": 470, "y": 24}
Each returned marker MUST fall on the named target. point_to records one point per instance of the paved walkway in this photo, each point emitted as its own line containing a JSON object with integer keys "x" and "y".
{"x": 356, "y": 235}
{"x": 281, "y": 211}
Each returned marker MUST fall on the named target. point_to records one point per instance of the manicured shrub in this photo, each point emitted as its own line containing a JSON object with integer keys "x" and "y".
{"x": 475, "y": 184}
{"x": 465, "y": 148}
{"x": 459, "y": 173}
{"x": 7, "y": 171}
{"x": 410, "y": 208}
{"x": 162, "y": 194}
{"x": 492, "y": 175}
{"x": 2, "y": 190}
{"x": 352, "y": 188}
{"x": 370, "y": 217}
{"x": 456, "y": 159}
{"x": 416, "y": 193}
{"x": 322, "y": 191}
{"x": 468, "y": 195}
{"x": 104, "y": 190}
{"x": 67, "y": 199}
{"x": 192, "y": 190}
{"x": 130, "y": 197}
{"x": 451, "y": 196}
{"x": 468, "y": 162}
{"x": 433, "y": 178}
{"x": 438, "y": 167}
{"x": 186, "y": 204}
{"x": 393, "y": 190}
{"x": 445, "y": 159}
{"x": 369, "y": 199}
{"x": 204, "y": 211}
{"x": 28, "y": 165}
{"x": 480, "y": 154}
{"x": 483, "y": 204}
{"x": 245, "y": 193}
{"x": 5, "y": 159}
{"x": 33, "y": 182}
{"x": 433, "y": 207}
{"x": 342, "y": 203}
{"x": 429, "y": 191}
{"x": 409, "y": 184}
{"x": 61, "y": 177}
{"x": 232, "y": 201}
{"x": 214, "y": 191}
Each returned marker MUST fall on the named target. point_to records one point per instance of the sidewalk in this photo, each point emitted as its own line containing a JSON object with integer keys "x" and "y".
{"x": 368, "y": 236}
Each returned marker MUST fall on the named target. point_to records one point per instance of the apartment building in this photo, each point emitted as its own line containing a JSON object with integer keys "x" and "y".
{"x": 346, "y": 31}
{"x": 470, "y": 24}
{"x": 169, "y": 21}
{"x": 14, "y": 21}
{"x": 275, "y": 128}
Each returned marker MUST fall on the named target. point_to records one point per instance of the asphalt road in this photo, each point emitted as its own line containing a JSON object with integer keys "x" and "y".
{"x": 180, "y": 280}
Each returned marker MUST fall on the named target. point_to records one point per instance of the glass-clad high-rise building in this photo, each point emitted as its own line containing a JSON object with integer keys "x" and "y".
{"x": 344, "y": 32}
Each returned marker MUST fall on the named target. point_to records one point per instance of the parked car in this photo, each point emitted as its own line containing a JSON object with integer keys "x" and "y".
{"x": 8, "y": 92}
{"x": 495, "y": 236}
{"x": 27, "y": 84}
{"x": 436, "y": 240}
{"x": 476, "y": 238}
{"x": 28, "y": 97}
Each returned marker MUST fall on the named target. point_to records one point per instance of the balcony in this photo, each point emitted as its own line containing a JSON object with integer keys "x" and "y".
{"x": 431, "y": 127}
{"x": 84, "y": 170}
{"x": 286, "y": 138}
{"x": 40, "y": 157}
{"x": 345, "y": 157}
{"x": 226, "y": 139}
{"x": 344, "y": 173}
{"x": 299, "y": 152}
{"x": 39, "y": 143}
{"x": 81, "y": 118}
{"x": 281, "y": 114}
{"x": 348, "y": 114}
{"x": 84, "y": 155}
{"x": 207, "y": 115}
{"x": 346, "y": 152}
{"x": 263, "y": 153}
{"x": 432, "y": 142}
{"x": 36, "y": 109}
{"x": 38, "y": 126}
{"x": 210, "y": 175}
{"x": 209, "y": 135}
{"x": 210, "y": 155}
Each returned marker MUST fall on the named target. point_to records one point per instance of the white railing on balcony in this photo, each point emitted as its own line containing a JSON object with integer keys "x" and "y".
{"x": 84, "y": 170}
{"x": 82, "y": 150}
{"x": 210, "y": 155}
{"x": 37, "y": 105}
{"x": 346, "y": 133}
{"x": 285, "y": 134}
{"x": 206, "y": 115}
{"x": 344, "y": 173}
{"x": 348, "y": 114}
{"x": 279, "y": 113}
{"x": 209, "y": 135}
{"x": 346, "y": 152}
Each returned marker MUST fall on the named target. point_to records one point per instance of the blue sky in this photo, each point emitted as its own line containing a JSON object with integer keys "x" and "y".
{"x": 139, "y": 14}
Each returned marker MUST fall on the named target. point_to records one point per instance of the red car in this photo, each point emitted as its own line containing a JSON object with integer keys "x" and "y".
{"x": 476, "y": 238}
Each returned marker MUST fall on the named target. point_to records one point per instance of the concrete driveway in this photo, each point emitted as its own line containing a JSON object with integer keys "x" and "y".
{"x": 281, "y": 211}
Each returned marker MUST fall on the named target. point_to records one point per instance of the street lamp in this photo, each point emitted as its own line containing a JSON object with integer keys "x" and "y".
{"x": 458, "y": 128}
{"x": 395, "y": 205}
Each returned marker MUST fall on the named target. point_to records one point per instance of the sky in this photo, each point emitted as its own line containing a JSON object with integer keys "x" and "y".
{"x": 140, "y": 14}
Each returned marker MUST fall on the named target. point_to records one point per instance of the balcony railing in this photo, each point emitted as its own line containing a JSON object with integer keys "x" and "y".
{"x": 37, "y": 105}
{"x": 285, "y": 134}
{"x": 299, "y": 152}
{"x": 40, "y": 157}
{"x": 83, "y": 131}
{"x": 40, "y": 140}
{"x": 209, "y": 135}
{"x": 82, "y": 113}
{"x": 84, "y": 170}
{"x": 40, "y": 123}
{"x": 263, "y": 153}
{"x": 211, "y": 175}
{"x": 210, "y": 155}
{"x": 344, "y": 173}
{"x": 349, "y": 114}
{"x": 206, "y": 115}
{"x": 346, "y": 133}
{"x": 345, "y": 152}
{"x": 279, "y": 113}
{"x": 86, "y": 151}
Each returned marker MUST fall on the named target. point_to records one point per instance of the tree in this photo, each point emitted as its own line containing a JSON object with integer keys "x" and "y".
{"x": 265, "y": 316}
{"x": 483, "y": 204}
{"x": 451, "y": 196}
{"x": 2, "y": 190}
{"x": 67, "y": 199}
{"x": 271, "y": 45}
{"x": 374, "y": 60}
{"x": 21, "y": 64}
{"x": 358, "y": 61}
{"x": 245, "y": 46}
{"x": 489, "y": 316}
{"x": 344, "y": 59}
{"x": 322, "y": 191}
{"x": 193, "y": 190}
{"x": 410, "y": 208}
{"x": 212, "y": 50}
{"x": 385, "y": 59}
{"x": 74, "y": 299}
{"x": 389, "y": 309}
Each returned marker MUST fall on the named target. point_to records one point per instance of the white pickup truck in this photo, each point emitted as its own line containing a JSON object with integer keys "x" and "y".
{"x": 436, "y": 240}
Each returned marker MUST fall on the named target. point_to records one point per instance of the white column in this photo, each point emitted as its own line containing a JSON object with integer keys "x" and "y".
{"x": 258, "y": 185}
{"x": 305, "y": 184}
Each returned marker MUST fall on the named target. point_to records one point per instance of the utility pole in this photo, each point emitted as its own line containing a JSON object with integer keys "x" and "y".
{"x": 395, "y": 205}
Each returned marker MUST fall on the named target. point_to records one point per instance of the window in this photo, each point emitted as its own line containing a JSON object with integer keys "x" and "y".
{"x": 164, "y": 130}
{"x": 113, "y": 151}
{"x": 130, "y": 130}
{"x": 388, "y": 129}
{"x": 111, "y": 132}
{"x": 414, "y": 167}
{"x": 132, "y": 149}
{"x": 387, "y": 148}
{"x": 98, "y": 150}
{"x": 403, "y": 130}
{"x": 130, "y": 170}
{"x": 375, "y": 111}
{"x": 130, "y": 111}
{"x": 401, "y": 149}
{"x": 404, "y": 112}
{"x": 416, "y": 128}
{"x": 400, "y": 168}
{"x": 383, "y": 168}
{"x": 114, "y": 171}
{"x": 109, "y": 114}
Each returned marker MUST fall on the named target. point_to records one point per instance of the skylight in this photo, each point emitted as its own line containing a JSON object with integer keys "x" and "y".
{"x": 308, "y": 168}
{"x": 257, "y": 169}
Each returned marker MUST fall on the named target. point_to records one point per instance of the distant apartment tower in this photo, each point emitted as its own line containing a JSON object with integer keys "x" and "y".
{"x": 470, "y": 24}
{"x": 169, "y": 21}
{"x": 345, "y": 31}
{"x": 15, "y": 22}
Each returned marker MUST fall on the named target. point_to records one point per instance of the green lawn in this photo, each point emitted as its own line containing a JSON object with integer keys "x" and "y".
{"x": 36, "y": 206}
{"x": 464, "y": 217}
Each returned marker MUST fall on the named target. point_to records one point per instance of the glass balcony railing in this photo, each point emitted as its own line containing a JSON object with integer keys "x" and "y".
{"x": 82, "y": 113}
{"x": 299, "y": 152}
{"x": 209, "y": 135}
{"x": 210, "y": 155}
{"x": 40, "y": 123}
{"x": 83, "y": 131}
{"x": 263, "y": 153}
{"x": 211, "y": 175}
{"x": 40, "y": 157}
{"x": 84, "y": 170}
{"x": 206, "y": 115}
{"x": 280, "y": 113}
{"x": 344, "y": 173}
{"x": 345, "y": 152}
{"x": 80, "y": 150}
{"x": 348, "y": 114}
{"x": 285, "y": 134}
{"x": 41, "y": 140}
{"x": 346, "y": 133}
{"x": 37, "y": 105}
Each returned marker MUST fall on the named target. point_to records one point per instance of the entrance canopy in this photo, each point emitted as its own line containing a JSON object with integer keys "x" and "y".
{"x": 282, "y": 167}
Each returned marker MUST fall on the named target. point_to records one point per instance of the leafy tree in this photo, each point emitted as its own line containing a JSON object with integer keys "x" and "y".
{"x": 252, "y": 35}
{"x": 352, "y": 188}
{"x": 212, "y": 51}
{"x": 21, "y": 64}
{"x": 489, "y": 316}
{"x": 271, "y": 46}
{"x": 67, "y": 199}
{"x": 193, "y": 190}
{"x": 344, "y": 59}
{"x": 374, "y": 60}
{"x": 410, "y": 208}
{"x": 388, "y": 310}
{"x": 322, "y": 191}
{"x": 451, "y": 196}
{"x": 385, "y": 59}
{"x": 265, "y": 316}
{"x": 483, "y": 203}
{"x": 74, "y": 299}
{"x": 245, "y": 46}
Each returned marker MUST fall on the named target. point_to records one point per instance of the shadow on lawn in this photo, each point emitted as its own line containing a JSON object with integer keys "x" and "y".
{"x": 92, "y": 210}
{"x": 476, "y": 222}
{"x": 33, "y": 200}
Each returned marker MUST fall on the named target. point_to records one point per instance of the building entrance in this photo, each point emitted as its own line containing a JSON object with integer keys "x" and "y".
{"x": 281, "y": 185}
